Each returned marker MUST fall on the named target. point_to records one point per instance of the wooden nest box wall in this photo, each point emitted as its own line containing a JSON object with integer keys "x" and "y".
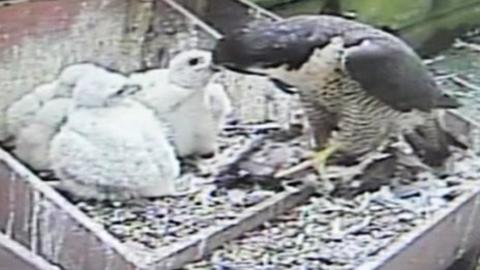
{"x": 40, "y": 229}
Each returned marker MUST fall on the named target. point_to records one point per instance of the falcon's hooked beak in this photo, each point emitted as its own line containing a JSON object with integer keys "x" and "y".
{"x": 237, "y": 69}
{"x": 230, "y": 55}
{"x": 284, "y": 87}
{"x": 244, "y": 71}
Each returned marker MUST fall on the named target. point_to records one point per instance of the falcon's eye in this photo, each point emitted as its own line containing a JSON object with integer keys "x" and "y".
{"x": 194, "y": 61}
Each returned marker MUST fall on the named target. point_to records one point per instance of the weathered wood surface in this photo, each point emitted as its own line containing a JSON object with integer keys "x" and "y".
{"x": 452, "y": 235}
{"x": 436, "y": 245}
{"x": 172, "y": 30}
{"x": 227, "y": 15}
{"x": 206, "y": 241}
{"x": 14, "y": 256}
{"x": 125, "y": 35}
{"x": 47, "y": 225}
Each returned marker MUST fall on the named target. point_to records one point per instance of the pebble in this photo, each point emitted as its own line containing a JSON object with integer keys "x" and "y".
{"x": 327, "y": 232}
{"x": 165, "y": 221}
{"x": 338, "y": 234}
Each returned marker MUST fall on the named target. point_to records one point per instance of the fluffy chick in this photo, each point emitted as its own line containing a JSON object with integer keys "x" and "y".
{"x": 70, "y": 75}
{"x": 198, "y": 120}
{"x": 32, "y": 144}
{"x": 112, "y": 147}
{"x": 21, "y": 112}
{"x": 184, "y": 97}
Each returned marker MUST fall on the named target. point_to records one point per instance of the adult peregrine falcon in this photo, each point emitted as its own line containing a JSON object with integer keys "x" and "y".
{"x": 358, "y": 84}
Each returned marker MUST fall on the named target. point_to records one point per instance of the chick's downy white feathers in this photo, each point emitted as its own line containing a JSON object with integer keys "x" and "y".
{"x": 185, "y": 98}
{"x": 218, "y": 102}
{"x": 112, "y": 147}
{"x": 33, "y": 140}
{"x": 21, "y": 112}
{"x": 191, "y": 69}
{"x": 165, "y": 89}
{"x": 198, "y": 120}
{"x": 101, "y": 90}
{"x": 70, "y": 75}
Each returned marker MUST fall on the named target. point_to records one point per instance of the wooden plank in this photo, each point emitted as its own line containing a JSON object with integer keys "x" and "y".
{"x": 469, "y": 261}
{"x": 11, "y": 2}
{"x": 53, "y": 228}
{"x": 226, "y": 15}
{"x": 14, "y": 256}
{"x": 436, "y": 245}
{"x": 57, "y": 230}
{"x": 452, "y": 234}
{"x": 171, "y": 30}
{"x": 196, "y": 20}
{"x": 260, "y": 10}
{"x": 463, "y": 129}
{"x": 205, "y": 242}
{"x": 273, "y": 3}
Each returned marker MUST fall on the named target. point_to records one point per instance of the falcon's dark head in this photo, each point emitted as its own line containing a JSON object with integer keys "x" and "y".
{"x": 264, "y": 45}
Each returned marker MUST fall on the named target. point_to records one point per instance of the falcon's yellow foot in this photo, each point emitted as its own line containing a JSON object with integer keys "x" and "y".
{"x": 318, "y": 162}
{"x": 320, "y": 158}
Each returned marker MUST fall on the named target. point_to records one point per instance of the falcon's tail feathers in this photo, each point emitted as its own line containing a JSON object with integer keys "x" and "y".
{"x": 446, "y": 101}
{"x": 432, "y": 142}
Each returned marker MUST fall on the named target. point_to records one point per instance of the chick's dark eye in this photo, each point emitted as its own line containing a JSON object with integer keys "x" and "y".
{"x": 193, "y": 61}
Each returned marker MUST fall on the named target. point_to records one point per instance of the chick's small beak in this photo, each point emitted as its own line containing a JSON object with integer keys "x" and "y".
{"x": 130, "y": 89}
{"x": 215, "y": 68}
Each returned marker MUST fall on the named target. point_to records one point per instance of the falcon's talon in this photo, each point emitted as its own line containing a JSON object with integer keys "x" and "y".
{"x": 320, "y": 158}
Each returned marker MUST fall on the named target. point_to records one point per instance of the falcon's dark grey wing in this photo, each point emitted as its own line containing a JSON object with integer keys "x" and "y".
{"x": 393, "y": 73}
{"x": 288, "y": 42}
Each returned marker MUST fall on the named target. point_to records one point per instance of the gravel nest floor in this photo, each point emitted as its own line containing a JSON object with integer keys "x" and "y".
{"x": 327, "y": 232}
{"x": 335, "y": 233}
{"x": 156, "y": 223}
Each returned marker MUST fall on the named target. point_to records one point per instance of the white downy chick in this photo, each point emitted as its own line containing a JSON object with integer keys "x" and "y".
{"x": 71, "y": 74}
{"x": 33, "y": 140}
{"x": 149, "y": 79}
{"x": 218, "y": 103}
{"x": 197, "y": 122}
{"x": 183, "y": 96}
{"x": 46, "y": 92}
{"x": 112, "y": 147}
{"x": 21, "y": 112}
